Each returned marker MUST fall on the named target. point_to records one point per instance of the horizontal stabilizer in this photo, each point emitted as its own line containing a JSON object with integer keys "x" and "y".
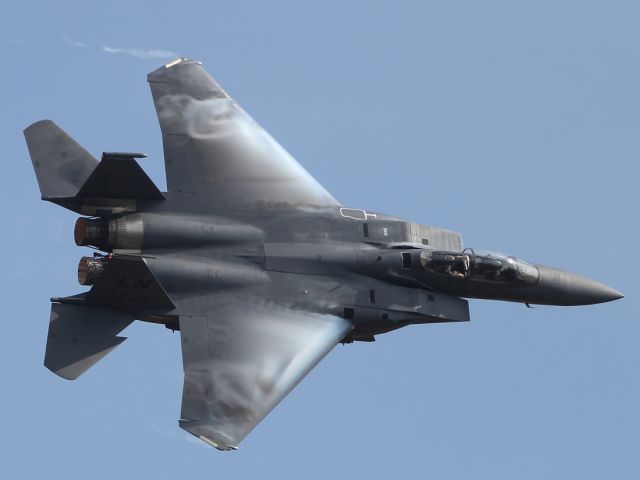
{"x": 119, "y": 176}
{"x": 61, "y": 165}
{"x": 80, "y": 336}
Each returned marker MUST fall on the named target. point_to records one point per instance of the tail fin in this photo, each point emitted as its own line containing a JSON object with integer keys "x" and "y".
{"x": 80, "y": 336}
{"x": 69, "y": 176}
{"x": 61, "y": 164}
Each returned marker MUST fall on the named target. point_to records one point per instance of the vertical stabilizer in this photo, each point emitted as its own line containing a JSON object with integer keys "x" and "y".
{"x": 61, "y": 164}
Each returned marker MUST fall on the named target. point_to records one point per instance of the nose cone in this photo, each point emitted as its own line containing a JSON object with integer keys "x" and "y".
{"x": 557, "y": 287}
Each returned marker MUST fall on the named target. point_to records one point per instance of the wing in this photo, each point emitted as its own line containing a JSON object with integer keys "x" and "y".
{"x": 214, "y": 149}
{"x": 242, "y": 359}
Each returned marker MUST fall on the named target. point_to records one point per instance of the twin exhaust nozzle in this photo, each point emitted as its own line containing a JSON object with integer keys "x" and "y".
{"x": 133, "y": 233}
{"x": 94, "y": 233}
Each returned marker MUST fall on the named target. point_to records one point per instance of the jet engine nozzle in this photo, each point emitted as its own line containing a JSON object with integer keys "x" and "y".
{"x": 89, "y": 269}
{"x": 89, "y": 231}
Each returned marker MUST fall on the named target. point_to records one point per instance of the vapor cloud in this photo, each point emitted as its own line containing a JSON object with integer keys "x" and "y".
{"x": 140, "y": 53}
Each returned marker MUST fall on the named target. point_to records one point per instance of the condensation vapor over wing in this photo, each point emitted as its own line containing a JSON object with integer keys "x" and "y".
{"x": 215, "y": 150}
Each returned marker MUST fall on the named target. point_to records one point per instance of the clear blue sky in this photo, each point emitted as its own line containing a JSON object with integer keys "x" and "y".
{"x": 516, "y": 123}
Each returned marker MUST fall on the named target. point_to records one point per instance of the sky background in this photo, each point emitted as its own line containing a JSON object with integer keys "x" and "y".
{"x": 515, "y": 123}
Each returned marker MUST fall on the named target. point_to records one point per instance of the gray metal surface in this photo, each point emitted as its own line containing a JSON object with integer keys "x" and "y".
{"x": 61, "y": 165}
{"x": 242, "y": 358}
{"x": 119, "y": 176}
{"x": 258, "y": 266}
{"x": 215, "y": 150}
{"x": 80, "y": 336}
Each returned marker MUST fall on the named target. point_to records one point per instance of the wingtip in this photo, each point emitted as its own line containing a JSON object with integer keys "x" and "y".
{"x": 160, "y": 72}
{"x": 178, "y": 60}
{"x": 202, "y": 432}
{"x": 217, "y": 445}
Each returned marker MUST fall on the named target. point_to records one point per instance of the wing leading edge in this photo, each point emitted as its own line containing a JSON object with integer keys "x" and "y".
{"x": 214, "y": 149}
{"x": 242, "y": 359}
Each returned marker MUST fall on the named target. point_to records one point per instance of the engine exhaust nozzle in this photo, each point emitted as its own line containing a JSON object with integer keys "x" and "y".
{"x": 90, "y": 269}
{"x": 90, "y": 232}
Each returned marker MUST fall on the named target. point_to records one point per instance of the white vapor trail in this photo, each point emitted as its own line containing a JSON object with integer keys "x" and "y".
{"x": 134, "y": 52}
{"x": 74, "y": 43}
{"x": 140, "y": 53}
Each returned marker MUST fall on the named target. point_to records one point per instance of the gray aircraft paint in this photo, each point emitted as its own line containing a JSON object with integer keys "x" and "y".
{"x": 258, "y": 266}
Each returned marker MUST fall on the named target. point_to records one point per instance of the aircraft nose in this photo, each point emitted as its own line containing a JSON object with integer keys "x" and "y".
{"x": 559, "y": 287}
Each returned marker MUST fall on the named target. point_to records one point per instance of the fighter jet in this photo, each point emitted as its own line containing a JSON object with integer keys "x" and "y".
{"x": 260, "y": 269}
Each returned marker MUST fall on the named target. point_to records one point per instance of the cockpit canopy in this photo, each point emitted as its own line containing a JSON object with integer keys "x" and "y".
{"x": 481, "y": 266}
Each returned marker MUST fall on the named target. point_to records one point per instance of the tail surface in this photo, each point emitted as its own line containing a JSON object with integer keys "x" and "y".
{"x": 69, "y": 176}
{"x": 80, "y": 336}
{"x": 62, "y": 166}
